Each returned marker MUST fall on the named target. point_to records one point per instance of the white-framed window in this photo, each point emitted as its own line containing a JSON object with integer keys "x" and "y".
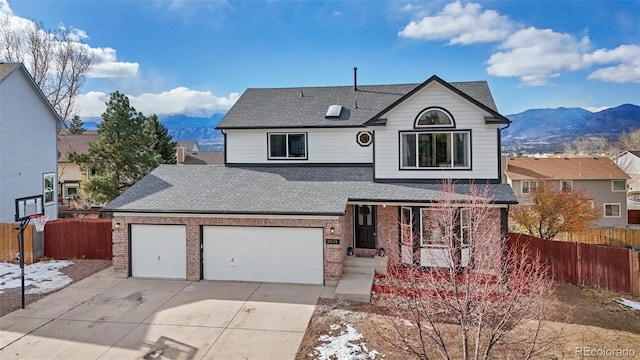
{"x": 434, "y": 117}
{"x": 49, "y": 188}
{"x": 406, "y": 225}
{"x": 618, "y": 185}
{"x": 433, "y": 226}
{"x": 424, "y": 150}
{"x": 71, "y": 191}
{"x": 528, "y": 187}
{"x": 566, "y": 185}
{"x": 611, "y": 210}
{"x": 287, "y": 145}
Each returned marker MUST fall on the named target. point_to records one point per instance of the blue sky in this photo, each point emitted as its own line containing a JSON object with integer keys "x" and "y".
{"x": 196, "y": 57}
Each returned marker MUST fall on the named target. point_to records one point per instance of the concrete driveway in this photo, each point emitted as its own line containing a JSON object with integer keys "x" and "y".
{"x": 104, "y": 317}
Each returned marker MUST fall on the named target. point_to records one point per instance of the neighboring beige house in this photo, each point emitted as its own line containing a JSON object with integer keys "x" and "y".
{"x": 600, "y": 177}
{"x": 70, "y": 176}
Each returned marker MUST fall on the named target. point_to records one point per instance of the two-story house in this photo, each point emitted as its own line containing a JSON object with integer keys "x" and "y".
{"x": 600, "y": 178}
{"x": 28, "y": 127}
{"x": 310, "y": 175}
{"x": 70, "y": 175}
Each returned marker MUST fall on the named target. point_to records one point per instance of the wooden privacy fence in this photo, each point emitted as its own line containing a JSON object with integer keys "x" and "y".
{"x": 9, "y": 243}
{"x": 622, "y": 237}
{"x": 602, "y": 266}
{"x": 78, "y": 239}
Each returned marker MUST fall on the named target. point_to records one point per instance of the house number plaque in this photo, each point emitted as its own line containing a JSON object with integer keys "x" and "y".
{"x": 332, "y": 241}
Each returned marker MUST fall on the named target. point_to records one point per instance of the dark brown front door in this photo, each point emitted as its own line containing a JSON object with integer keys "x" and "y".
{"x": 365, "y": 226}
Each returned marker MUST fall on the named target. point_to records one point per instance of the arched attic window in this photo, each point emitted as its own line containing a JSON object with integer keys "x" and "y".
{"x": 434, "y": 117}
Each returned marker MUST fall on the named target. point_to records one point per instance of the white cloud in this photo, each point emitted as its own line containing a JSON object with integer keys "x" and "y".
{"x": 536, "y": 55}
{"x": 622, "y": 73}
{"x": 180, "y": 100}
{"x": 105, "y": 61}
{"x": 461, "y": 24}
{"x": 4, "y": 8}
{"x": 106, "y": 66}
{"x": 533, "y": 55}
{"x": 626, "y": 56}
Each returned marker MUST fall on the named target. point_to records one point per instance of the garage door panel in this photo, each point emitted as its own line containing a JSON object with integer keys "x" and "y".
{"x": 158, "y": 251}
{"x": 272, "y": 254}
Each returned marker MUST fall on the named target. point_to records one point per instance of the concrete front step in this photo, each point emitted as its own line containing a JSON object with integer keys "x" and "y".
{"x": 353, "y": 264}
{"x": 355, "y": 287}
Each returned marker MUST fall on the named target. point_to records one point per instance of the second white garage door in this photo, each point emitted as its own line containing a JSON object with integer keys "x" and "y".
{"x": 269, "y": 254}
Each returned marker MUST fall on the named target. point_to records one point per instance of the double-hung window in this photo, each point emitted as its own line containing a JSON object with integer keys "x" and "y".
{"x": 48, "y": 188}
{"x": 287, "y": 145}
{"x": 528, "y": 187}
{"x": 566, "y": 185}
{"x": 611, "y": 210}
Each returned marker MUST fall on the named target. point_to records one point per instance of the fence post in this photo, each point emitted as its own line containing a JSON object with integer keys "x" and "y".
{"x": 634, "y": 269}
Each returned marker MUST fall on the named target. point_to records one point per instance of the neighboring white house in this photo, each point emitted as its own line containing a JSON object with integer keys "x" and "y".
{"x": 28, "y": 142}
{"x": 311, "y": 172}
{"x": 629, "y": 162}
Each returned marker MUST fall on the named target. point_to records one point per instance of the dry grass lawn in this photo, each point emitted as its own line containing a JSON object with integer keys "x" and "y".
{"x": 585, "y": 317}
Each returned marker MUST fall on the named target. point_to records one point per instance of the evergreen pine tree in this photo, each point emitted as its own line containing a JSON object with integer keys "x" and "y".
{"x": 76, "y": 126}
{"x": 123, "y": 153}
{"x": 164, "y": 145}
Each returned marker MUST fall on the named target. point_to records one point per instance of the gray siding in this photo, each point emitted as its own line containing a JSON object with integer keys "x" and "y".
{"x": 28, "y": 146}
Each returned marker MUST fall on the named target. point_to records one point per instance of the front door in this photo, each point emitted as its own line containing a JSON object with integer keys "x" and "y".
{"x": 365, "y": 226}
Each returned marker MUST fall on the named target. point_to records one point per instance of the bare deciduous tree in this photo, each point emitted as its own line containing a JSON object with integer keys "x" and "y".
{"x": 483, "y": 298}
{"x": 57, "y": 60}
{"x": 630, "y": 140}
{"x": 552, "y": 210}
{"x": 592, "y": 146}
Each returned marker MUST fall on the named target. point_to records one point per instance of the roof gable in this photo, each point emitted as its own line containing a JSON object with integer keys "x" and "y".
{"x": 482, "y": 98}
{"x": 563, "y": 168}
{"x": 6, "y": 69}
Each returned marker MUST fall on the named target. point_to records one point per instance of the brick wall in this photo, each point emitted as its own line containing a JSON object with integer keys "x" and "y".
{"x": 388, "y": 231}
{"x": 333, "y": 254}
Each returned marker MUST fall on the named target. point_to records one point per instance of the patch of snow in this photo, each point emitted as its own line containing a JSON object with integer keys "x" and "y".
{"x": 347, "y": 345}
{"x": 42, "y": 277}
{"x": 632, "y": 304}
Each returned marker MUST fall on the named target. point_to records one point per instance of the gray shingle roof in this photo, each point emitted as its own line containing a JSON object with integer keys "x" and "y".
{"x": 307, "y": 106}
{"x": 218, "y": 189}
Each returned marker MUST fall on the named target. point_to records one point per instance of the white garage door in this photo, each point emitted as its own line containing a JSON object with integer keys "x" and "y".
{"x": 269, "y": 254}
{"x": 159, "y": 251}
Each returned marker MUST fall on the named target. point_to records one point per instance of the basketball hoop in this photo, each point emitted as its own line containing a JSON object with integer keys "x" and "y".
{"x": 39, "y": 221}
